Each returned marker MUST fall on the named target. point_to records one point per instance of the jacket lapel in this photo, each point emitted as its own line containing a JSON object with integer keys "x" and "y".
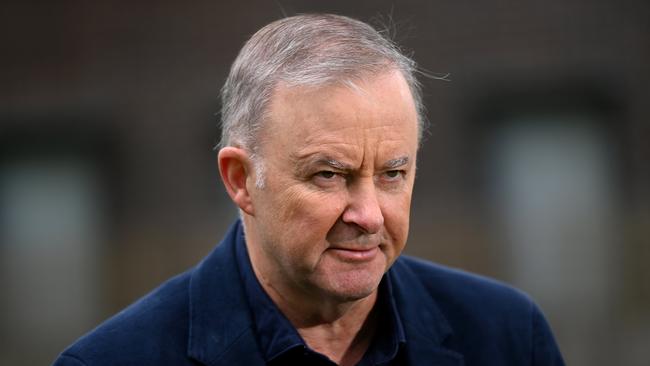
{"x": 221, "y": 328}
{"x": 425, "y": 327}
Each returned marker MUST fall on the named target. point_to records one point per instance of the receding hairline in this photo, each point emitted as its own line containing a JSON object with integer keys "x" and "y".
{"x": 300, "y": 51}
{"x": 361, "y": 85}
{"x": 353, "y": 82}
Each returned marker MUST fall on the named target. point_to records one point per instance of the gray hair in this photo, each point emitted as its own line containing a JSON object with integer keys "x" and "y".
{"x": 304, "y": 50}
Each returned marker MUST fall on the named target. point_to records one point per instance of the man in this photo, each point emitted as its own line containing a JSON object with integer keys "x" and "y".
{"x": 321, "y": 126}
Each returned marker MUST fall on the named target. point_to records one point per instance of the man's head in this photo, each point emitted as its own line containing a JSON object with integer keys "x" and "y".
{"x": 304, "y": 50}
{"x": 329, "y": 109}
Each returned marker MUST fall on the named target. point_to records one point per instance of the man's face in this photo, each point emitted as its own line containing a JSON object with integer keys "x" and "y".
{"x": 339, "y": 163}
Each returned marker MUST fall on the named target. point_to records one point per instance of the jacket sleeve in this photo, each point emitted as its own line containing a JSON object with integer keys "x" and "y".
{"x": 68, "y": 360}
{"x": 545, "y": 349}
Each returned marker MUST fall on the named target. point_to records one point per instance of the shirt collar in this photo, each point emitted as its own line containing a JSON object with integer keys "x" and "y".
{"x": 390, "y": 336}
{"x": 276, "y": 335}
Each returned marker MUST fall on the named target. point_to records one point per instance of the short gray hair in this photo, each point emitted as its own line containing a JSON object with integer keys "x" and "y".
{"x": 304, "y": 50}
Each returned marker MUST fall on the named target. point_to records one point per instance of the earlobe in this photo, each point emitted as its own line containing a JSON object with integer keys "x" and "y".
{"x": 234, "y": 167}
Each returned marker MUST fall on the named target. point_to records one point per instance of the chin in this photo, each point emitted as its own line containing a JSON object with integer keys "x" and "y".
{"x": 349, "y": 287}
{"x": 351, "y": 296}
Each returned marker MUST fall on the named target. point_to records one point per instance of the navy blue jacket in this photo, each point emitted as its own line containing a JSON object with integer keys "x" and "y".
{"x": 201, "y": 317}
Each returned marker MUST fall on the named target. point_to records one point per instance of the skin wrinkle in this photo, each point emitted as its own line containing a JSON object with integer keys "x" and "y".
{"x": 316, "y": 148}
{"x": 352, "y": 177}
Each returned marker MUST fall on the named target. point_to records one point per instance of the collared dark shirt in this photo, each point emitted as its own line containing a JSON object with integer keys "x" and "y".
{"x": 280, "y": 342}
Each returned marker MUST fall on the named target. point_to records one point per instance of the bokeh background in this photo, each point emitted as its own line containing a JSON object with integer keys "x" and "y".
{"x": 534, "y": 170}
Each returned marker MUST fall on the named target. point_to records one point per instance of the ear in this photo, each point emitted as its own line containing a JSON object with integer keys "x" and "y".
{"x": 235, "y": 170}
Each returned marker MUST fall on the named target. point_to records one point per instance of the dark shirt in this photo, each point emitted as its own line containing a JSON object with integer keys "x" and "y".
{"x": 280, "y": 342}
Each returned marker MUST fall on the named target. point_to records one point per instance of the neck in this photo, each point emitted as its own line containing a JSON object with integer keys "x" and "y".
{"x": 340, "y": 330}
{"x": 345, "y": 340}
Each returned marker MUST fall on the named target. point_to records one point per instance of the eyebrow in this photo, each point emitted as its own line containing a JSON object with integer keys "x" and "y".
{"x": 339, "y": 165}
{"x": 334, "y": 164}
{"x": 302, "y": 164}
{"x": 396, "y": 163}
{"x": 390, "y": 164}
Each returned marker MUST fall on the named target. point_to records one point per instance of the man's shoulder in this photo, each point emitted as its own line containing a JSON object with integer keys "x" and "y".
{"x": 443, "y": 282}
{"x": 154, "y": 327}
{"x": 463, "y": 296}
{"x": 160, "y": 328}
{"x": 481, "y": 316}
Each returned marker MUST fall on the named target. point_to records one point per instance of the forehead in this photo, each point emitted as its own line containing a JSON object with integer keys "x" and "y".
{"x": 378, "y": 109}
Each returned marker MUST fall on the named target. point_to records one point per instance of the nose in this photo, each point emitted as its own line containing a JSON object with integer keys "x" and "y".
{"x": 363, "y": 208}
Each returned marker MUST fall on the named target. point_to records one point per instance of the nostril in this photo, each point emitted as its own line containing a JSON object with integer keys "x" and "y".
{"x": 350, "y": 232}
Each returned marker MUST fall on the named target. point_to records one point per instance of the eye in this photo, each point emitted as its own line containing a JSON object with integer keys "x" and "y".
{"x": 328, "y": 179}
{"x": 326, "y": 174}
{"x": 392, "y": 174}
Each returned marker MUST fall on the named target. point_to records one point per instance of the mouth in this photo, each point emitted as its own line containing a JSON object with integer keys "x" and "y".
{"x": 355, "y": 254}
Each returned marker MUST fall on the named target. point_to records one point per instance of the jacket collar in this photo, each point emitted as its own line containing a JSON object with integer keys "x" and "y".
{"x": 221, "y": 328}
{"x": 425, "y": 326}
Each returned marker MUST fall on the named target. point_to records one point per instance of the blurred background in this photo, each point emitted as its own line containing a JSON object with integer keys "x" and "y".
{"x": 534, "y": 169}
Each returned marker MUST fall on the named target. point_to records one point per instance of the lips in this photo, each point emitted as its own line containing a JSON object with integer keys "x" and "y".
{"x": 355, "y": 254}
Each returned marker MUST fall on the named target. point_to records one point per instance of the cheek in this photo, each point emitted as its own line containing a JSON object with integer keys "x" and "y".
{"x": 396, "y": 217}
{"x": 306, "y": 217}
